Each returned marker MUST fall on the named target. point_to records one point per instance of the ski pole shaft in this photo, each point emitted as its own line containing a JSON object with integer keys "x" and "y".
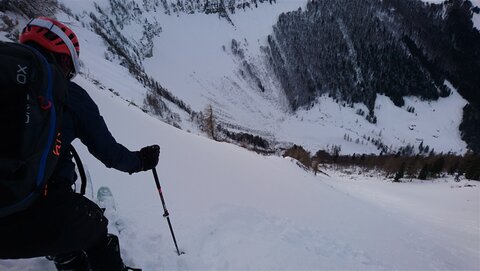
{"x": 165, "y": 214}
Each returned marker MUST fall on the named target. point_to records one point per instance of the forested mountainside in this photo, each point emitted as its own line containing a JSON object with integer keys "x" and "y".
{"x": 353, "y": 50}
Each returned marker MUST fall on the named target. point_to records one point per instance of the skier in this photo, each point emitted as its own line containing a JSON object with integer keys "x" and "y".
{"x": 62, "y": 224}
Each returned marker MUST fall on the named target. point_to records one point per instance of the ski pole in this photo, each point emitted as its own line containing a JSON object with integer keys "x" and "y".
{"x": 166, "y": 214}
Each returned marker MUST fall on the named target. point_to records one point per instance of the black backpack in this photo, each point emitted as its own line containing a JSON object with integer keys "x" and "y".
{"x": 32, "y": 95}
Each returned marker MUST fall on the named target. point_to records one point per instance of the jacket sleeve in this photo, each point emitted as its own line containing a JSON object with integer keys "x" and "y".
{"x": 93, "y": 132}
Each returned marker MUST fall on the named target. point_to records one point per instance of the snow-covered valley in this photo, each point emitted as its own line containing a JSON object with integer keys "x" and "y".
{"x": 206, "y": 60}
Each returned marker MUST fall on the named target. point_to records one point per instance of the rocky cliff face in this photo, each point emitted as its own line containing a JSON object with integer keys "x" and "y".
{"x": 26, "y": 8}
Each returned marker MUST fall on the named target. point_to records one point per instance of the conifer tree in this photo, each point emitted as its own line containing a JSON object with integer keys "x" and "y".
{"x": 437, "y": 166}
{"x": 400, "y": 173}
{"x": 209, "y": 122}
{"x": 423, "y": 172}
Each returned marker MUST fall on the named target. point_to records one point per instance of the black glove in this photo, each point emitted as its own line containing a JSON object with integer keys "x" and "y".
{"x": 149, "y": 157}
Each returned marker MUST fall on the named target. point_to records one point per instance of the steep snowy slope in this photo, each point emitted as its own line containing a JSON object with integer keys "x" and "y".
{"x": 235, "y": 210}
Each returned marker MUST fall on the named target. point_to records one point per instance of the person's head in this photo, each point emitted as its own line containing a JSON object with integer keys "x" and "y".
{"x": 56, "y": 39}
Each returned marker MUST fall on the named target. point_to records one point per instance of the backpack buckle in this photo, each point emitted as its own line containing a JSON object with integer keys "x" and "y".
{"x": 44, "y": 103}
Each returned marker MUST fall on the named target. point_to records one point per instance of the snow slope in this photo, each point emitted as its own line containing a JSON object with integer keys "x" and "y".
{"x": 326, "y": 124}
{"x": 235, "y": 210}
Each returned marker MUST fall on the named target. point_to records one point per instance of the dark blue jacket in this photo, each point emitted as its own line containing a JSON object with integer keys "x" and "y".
{"x": 82, "y": 120}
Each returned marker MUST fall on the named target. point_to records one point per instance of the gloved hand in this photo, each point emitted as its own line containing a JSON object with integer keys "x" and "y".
{"x": 149, "y": 157}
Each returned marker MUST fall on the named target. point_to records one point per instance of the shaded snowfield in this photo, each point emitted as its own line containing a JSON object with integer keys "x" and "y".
{"x": 235, "y": 210}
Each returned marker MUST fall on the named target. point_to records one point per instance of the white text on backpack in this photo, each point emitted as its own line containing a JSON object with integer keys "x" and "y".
{"x": 22, "y": 74}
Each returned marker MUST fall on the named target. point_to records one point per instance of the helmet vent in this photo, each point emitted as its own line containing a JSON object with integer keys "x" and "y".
{"x": 51, "y": 36}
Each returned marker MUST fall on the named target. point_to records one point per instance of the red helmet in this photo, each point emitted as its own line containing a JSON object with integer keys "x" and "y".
{"x": 53, "y": 36}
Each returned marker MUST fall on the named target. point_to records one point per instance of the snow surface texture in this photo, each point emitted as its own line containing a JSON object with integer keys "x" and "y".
{"x": 235, "y": 210}
{"x": 476, "y": 16}
{"x": 193, "y": 59}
